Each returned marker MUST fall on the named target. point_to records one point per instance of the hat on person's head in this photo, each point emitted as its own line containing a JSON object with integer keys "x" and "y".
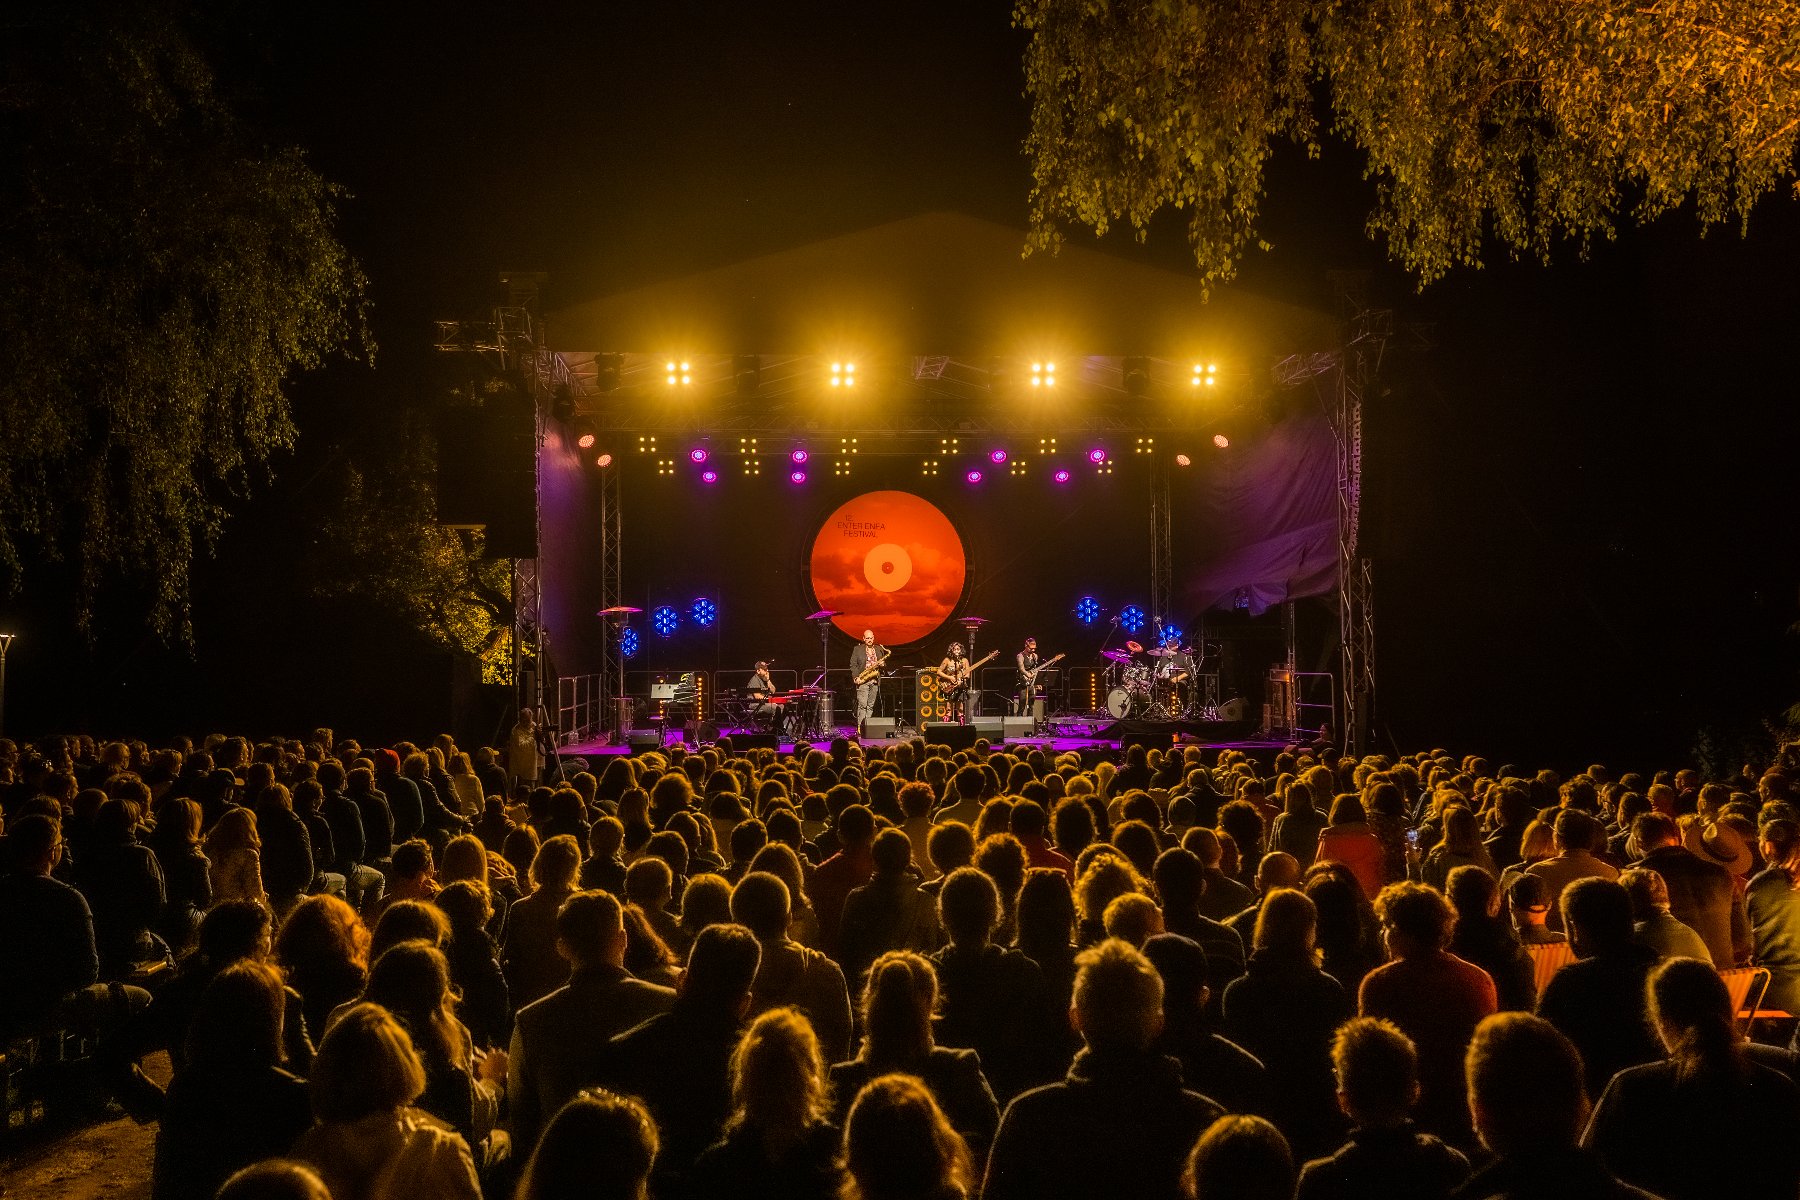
{"x": 386, "y": 760}
{"x": 1719, "y": 843}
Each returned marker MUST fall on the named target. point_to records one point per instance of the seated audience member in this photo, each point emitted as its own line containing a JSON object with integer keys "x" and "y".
{"x": 408, "y": 921}
{"x": 234, "y": 856}
{"x": 1528, "y": 900}
{"x": 1654, "y": 1122}
{"x": 187, "y": 881}
{"x": 779, "y": 1141}
{"x": 1030, "y": 824}
{"x": 1482, "y": 937}
{"x": 559, "y": 1042}
{"x": 1701, "y": 893}
{"x": 1387, "y": 1155}
{"x": 1277, "y": 870}
{"x": 843, "y": 872}
{"x": 1774, "y": 905}
{"x": 598, "y": 1146}
{"x": 1133, "y": 918}
{"x": 1285, "y": 1011}
{"x": 1239, "y": 1158}
{"x": 1121, "y": 1123}
{"x": 705, "y": 901}
{"x": 604, "y": 869}
{"x": 323, "y": 947}
{"x": 1181, "y": 882}
{"x": 1574, "y": 837}
{"x": 1350, "y": 944}
{"x": 898, "y": 1002}
{"x": 1529, "y": 1107}
{"x": 679, "y": 1062}
{"x": 899, "y": 1145}
{"x": 889, "y": 912}
{"x": 275, "y": 1179}
{"x": 1297, "y": 827}
{"x": 1215, "y": 1067}
{"x": 992, "y": 997}
{"x": 231, "y": 1104}
{"x": 288, "y": 868}
{"x": 534, "y": 965}
{"x": 1221, "y": 896}
{"x": 1599, "y": 1001}
{"x": 370, "y": 1143}
{"x": 1435, "y": 998}
{"x": 462, "y": 1089}
{"x": 475, "y": 962}
{"x": 123, "y": 883}
{"x": 1461, "y": 847}
{"x": 791, "y": 975}
{"x": 411, "y": 877}
{"x": 1047, "y": 938}
{"x": 1651, "y": 922}
{"x": 1349, "y": 840}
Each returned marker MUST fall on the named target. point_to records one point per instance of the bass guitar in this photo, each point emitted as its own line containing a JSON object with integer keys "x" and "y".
{"x": 1030, "y": 677}
{"x": 869, "y": 673}
{"x": 956, "y": 687}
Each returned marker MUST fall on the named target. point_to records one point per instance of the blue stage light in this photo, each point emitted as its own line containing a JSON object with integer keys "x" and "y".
{"x": 1171, "y": 632}
{"x": 665, "y": 620}
{"x": 1131, "y": 617}
{"x": 1087, "y": 610}
{"x": 628, "y": 643}
{"x": 703, "y": 611}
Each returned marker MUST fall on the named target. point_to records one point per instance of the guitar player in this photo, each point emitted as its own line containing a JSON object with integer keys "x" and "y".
{"x": 954, "y": 674}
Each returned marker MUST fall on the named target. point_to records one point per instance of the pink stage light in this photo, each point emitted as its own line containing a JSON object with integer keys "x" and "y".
{"x": 605, "y": 460}
{"x": 973, "y": 477}
{"x": 796, "y": 476}
{"x": 1061, "y": 476}
{"x": 997, "y": 457}
{"x": 1182, "y": 460}
{"x": 709, "y": 477}
{"x": 1097, "y": 455}
{"x": 697, "y": 454}
{"x": 586, "y": 441}
{"x": 798, "y": 457}
{"x": 1221, "y": 441}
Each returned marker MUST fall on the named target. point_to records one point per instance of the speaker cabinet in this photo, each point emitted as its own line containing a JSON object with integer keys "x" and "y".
{"x": 1234, "y": 710}
{"x": 1012, "y": 728}
{"x": 928, "y": 696}
{"x": 877, "y": 727}
{"x": 641, "y": 741}
{"x": 988, "y": 727}
{"x": 740, "y": 742}
{"x": 956, "y": 737}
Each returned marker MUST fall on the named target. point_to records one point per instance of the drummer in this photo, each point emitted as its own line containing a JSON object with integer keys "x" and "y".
{"x": 1175, "y": 664}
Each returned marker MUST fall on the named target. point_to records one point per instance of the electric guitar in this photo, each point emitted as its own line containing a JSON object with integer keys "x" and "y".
{"x": 957, "y": 687}
{"x": 1030, "y": 677}
{"x": 868, "y": 673}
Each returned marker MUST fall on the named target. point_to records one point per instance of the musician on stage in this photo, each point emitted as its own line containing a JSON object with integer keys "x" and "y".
{"x": 865, "y": 660}
{"x": 760, "y": 688}
{"x": 953, "y": 674}
{"x": 1027, "y": 660}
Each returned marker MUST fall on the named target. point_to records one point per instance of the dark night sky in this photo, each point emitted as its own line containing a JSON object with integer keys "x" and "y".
{"x": 1582, "y": 491}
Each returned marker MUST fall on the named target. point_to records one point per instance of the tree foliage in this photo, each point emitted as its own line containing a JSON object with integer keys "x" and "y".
{"x": 163, "y": 274}
{"x": 1511, "y": 122}
{"x": 377, "y": 543}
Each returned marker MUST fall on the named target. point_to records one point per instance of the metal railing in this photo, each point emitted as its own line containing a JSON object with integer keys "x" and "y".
{"x": 580, "y": 707}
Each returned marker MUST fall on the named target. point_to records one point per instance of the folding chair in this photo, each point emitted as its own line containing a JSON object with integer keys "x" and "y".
{"x": 1746, "y": 986}
{"x": 1547, "y": 959}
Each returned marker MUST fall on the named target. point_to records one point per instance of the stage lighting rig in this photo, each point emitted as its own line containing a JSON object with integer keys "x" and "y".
{"x": 1087, "y": 610}
{"x": 679, "y": 372}
{"x": 843, "y": 374}
{"x": 665, "y": 620}
{"x": 585, "y": 434}
{"x": 1043, "y": 374}
{"x": 1205, "y": 375}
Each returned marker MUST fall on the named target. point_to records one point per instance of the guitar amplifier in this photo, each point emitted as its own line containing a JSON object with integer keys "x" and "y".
{"x": 928, "y": 696}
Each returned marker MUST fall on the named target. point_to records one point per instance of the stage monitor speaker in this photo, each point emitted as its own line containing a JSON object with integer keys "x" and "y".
{"x": 1234, "y": 710}
{"x": 990, "y": 728}
{"x": 701, "y": 731}
{"x": 1150, "y": 741}
{"x": 1013, "y": 728}
{"x": 740, "y": 742}
{"x": 877, "y": 727}
{"x": 956, "y": 737}
{"x": 641, "y": 741}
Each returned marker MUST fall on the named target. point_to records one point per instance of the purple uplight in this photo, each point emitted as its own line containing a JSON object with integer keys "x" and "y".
{"x": 1061, "y": 476}
{"x": 798, "y": 456}
{"x": 973, "y": 477}
{"x": 709, "y": 477}
{"x": 697, "y": 454}
{"x": 796, "y": 476}
{"x": 997, "y": 457}
{"x": 1097, "y": 455}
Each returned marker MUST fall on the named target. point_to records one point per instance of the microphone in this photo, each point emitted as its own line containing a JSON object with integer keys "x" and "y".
{"x": 1158, "y": 621}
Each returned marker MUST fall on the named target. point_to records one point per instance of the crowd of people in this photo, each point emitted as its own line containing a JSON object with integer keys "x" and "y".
{"x": 410, "y": 973}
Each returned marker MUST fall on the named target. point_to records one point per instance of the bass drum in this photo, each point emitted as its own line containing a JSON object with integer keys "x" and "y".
{"x": 1122, "y": 703}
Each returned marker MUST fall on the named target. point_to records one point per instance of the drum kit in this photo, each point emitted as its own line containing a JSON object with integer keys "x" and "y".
{"x": 1150, "y": 687}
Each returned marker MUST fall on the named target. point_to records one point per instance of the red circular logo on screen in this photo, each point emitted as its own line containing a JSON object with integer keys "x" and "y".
{"x": 890, "y": 562}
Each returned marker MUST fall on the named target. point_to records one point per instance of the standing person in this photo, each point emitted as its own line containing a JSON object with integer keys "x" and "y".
{"x": 1027, "y": 661}
{"x": 953, "y": 674}
{"x": 523, "y": 762}
{"x": 865, "y": 671}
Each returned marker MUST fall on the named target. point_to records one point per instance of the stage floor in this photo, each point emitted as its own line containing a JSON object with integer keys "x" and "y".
{"x": 1054, "y": 744}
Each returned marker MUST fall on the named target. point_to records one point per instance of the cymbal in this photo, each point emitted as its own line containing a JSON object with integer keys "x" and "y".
{"x": 1160, "y": 652}
{"x": 825, "y": 614}
{"x": 1116, "y": 655}
{"x": 618, "y": 610}
{"x": 1134, "y": 647}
